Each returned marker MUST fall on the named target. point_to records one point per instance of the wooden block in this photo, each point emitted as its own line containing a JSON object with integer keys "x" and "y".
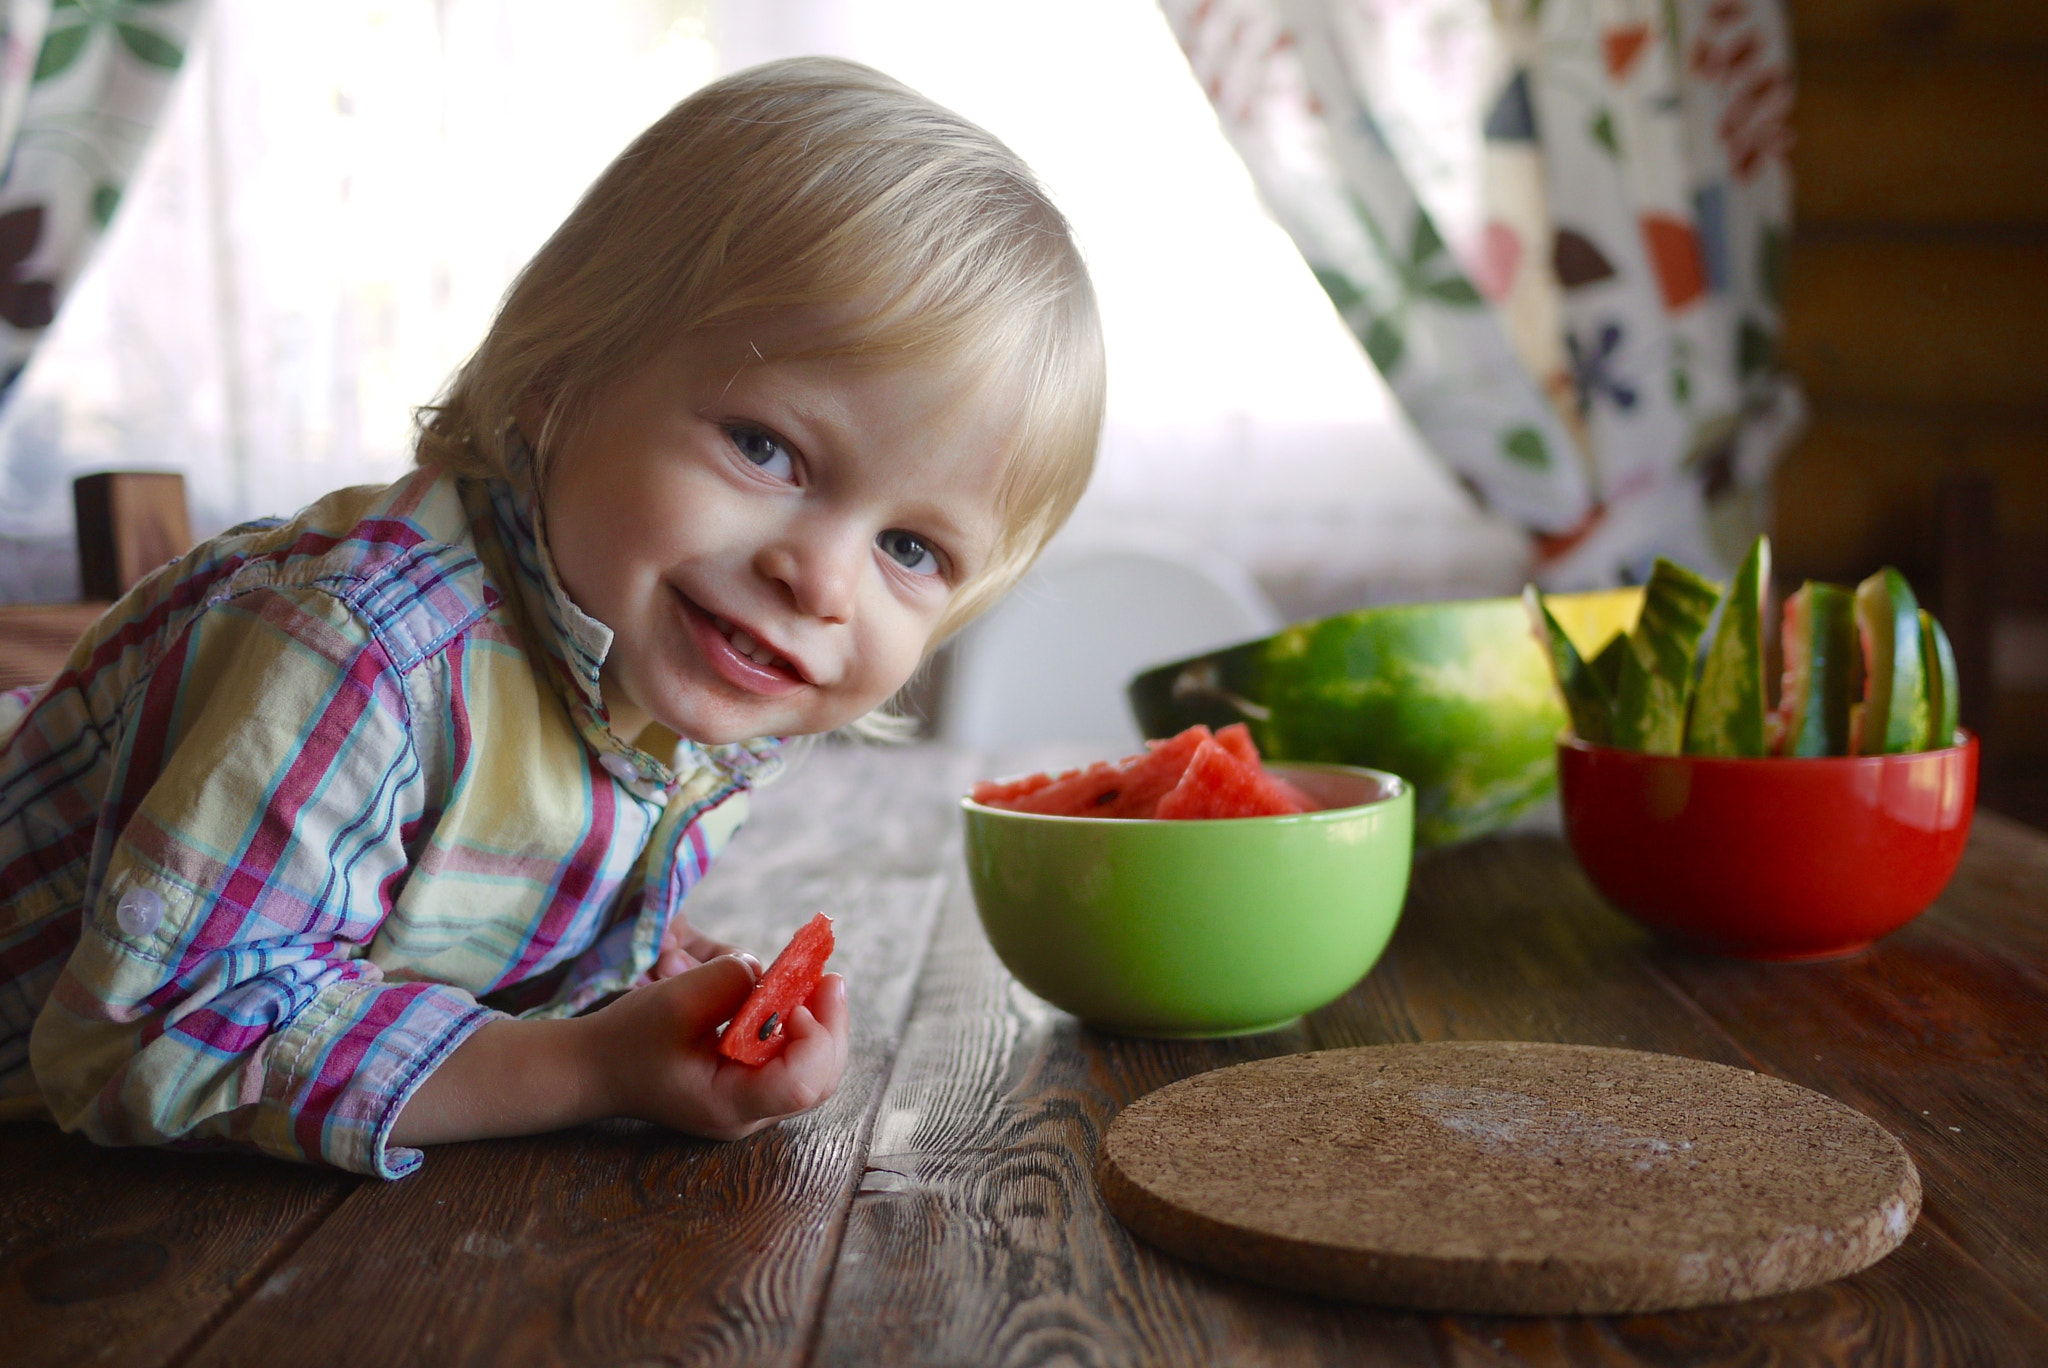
{"x": 36, "y": 637}
{"x": 129, "y": 523}
{"x": 1903, "y": 136}
{"x": 1914, "y": 321}
{"x": 1509, "y": 1177}
{"x": 1920, "y": 24}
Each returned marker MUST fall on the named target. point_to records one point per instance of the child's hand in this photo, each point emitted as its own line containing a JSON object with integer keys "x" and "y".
{"x": 684, "y": 947}
{"x": 659, "y": 1047}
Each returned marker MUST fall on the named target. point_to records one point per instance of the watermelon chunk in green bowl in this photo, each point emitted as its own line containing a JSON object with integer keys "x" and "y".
{"x": 1190, "y": 928}
{"x": 1458, "y": 698}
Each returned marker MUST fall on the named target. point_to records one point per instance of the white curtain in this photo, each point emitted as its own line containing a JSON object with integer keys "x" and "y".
{"x": 337, "y": 197}
{"x": 341, "y": 192}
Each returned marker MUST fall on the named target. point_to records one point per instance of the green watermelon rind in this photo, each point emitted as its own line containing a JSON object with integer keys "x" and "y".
{"x": 1656, "y": 674}
{"x": 1944, "y": 694}
{"x": 1895, "y": 689}
{"x": 1455, "y": 697}
{"x": 1586, "y": 699}
{"x": 1731, "y": 700}
{"x": 1821, "y": 668}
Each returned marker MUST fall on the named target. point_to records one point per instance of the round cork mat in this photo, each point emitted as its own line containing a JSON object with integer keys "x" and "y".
{"x": 1509, "y": 1177}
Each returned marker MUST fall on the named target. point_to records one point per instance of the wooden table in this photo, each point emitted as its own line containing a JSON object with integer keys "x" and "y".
{"x": 940, "y": 1209}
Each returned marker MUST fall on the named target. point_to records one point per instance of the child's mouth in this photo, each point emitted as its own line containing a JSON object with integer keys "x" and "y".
{"x": 738, "y": 655}
{"x": 750, "y": 648}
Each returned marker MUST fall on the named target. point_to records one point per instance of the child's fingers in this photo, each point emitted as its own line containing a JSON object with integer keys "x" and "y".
{"x": 684, "y": 947}
{"x": 709, "y": 994}
{"x": 808, "y": 1070}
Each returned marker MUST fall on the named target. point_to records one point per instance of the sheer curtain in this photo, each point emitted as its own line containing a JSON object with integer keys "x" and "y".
{"x": 341, "y": 192}
{"x": 335, "y": 200}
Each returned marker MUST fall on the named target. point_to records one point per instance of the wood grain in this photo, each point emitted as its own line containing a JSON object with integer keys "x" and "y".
{"x": 1901, "y": 320}
{"x": 940, "y": 1209}
{"x": 1860, "y": 487}
{"x": 1961, "y": 1078}
{"x": 1999, "y": 896}
{"x": 36, "y": 637}
{"x": 130, "y": 1256}
{"x": 979, "y": 1236}
{"x": 1504, "y": 939}
{"x": 1920, "y": 25}
{"x": 1898, "y": 135}
{"x": 624, "y": 1243}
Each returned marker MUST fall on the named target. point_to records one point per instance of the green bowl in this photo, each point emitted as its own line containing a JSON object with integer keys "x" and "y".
{"x": 1197, "y": 928}
{"x": 1455, "y": 697}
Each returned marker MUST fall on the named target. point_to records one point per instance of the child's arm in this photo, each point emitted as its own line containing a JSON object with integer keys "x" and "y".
{"x": 651, "y": 1055}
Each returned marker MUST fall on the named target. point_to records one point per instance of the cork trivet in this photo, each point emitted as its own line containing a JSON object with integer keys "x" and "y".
{"x": 1502, "y": 1176}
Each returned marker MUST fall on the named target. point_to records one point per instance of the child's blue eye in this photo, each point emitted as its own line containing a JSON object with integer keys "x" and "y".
{"x": 908, "y": 550}
{"x": 764, "y": 451}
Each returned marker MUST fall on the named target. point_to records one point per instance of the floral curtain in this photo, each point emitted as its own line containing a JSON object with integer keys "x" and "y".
{"x": 81, "y": 85}
{"x": 1557, "y": 228}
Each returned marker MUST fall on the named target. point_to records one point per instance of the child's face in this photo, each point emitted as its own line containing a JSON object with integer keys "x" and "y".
{"x": 771, "y": 543}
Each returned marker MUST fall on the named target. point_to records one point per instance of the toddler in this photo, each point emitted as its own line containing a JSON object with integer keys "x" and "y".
{"x": 369, "y": 829}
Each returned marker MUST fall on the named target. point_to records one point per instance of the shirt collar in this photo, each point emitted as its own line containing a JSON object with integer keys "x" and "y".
{"x": 576, "y": 645}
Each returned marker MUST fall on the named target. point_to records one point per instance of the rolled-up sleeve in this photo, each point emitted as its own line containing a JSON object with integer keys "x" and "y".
{"x": 218, "y": 992}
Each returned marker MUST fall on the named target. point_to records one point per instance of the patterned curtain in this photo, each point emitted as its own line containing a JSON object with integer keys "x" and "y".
{"x": 81, "y": 85}
{"x": 1557, "y": 227}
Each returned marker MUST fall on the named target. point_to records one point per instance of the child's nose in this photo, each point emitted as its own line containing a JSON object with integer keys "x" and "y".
{"x": 819, "y": 573}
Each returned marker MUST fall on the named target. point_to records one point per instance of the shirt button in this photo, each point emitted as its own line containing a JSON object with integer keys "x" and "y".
{"x": 139, "y": 911}
{"x": 619, "y": 768}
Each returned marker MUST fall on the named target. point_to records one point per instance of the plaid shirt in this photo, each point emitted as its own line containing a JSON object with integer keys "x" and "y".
{"x": 303, "y": 798}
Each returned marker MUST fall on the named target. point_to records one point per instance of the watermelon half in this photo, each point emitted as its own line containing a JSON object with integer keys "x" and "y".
{"x": 1455, "y": 697}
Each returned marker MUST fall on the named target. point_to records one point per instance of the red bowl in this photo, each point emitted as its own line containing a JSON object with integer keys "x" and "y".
{"x": 1773, "y": 858}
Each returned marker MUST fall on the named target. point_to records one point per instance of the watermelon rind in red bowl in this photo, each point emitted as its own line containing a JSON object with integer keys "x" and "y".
{"x": 1769, "y": 857}
{"x": 1220, "y": 927}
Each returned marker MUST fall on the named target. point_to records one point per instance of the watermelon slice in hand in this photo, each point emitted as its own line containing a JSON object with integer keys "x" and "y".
{"x": 759, "y": 1030}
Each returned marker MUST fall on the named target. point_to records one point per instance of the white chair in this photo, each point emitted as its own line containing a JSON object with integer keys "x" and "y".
{"x": 1051, "y": 661}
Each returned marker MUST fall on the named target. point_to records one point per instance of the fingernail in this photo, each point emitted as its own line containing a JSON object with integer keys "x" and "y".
{"x": 751, "y": 963}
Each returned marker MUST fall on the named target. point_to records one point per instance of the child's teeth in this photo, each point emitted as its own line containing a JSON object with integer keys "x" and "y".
{"x": 752, "y": 649}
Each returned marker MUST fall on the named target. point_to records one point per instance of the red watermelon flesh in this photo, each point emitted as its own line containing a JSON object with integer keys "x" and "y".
{"x": 1005, "y": 792}
{"x": 1237, "y": 739}
{"x": 1231, "y": 782}
{"x": 1218, "y": 784}
{"x": 1127, "y": 788}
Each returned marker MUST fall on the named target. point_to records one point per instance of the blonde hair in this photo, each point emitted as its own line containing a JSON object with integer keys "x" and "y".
{"x": 807, "y": 184}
